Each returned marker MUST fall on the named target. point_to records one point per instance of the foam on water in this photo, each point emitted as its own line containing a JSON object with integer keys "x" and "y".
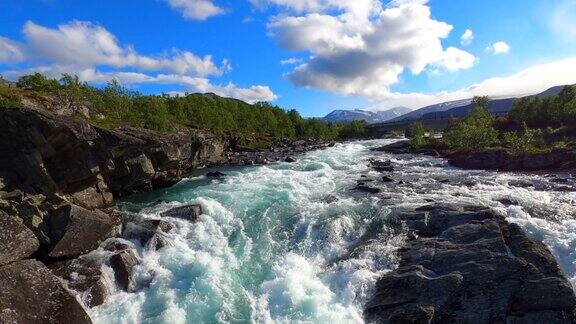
{"x": 273, "y": 245}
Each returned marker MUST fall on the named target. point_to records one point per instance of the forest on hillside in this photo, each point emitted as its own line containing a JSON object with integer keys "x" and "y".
{"x": 114, "y": 105}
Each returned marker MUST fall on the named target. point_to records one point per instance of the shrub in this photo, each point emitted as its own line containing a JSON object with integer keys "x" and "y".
{"x": 475, "y": 132}
{"x": 417, "y": 133}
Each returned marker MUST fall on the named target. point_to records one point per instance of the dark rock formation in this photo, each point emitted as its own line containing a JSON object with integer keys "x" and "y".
{"x": 85, "y": 276}
{"x": 31, "y": 294}
{"x": 76, "y": 231}
{"x": 57, "y": 155}
{"x": 290, "y": 160}
{"x": 382, "y": 166}
{"x": 215, "y": 174}
{"x": 465, "y": 264}
{"x": 123, "y": 264}
{"x": 188, "y": 212}
{"x": 363, "y": 187}
{"x": 387, "y": 179}
{"x": 400, "y": 147}
{"x": 16, "y": 240}
{"x": 147, "y": 231}
{"x": 502, "y": 160}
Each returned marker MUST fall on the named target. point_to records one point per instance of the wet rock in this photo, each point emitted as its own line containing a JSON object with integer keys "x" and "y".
{"x": 188, "y": 212}
{"x": 16, "y": 240}
{"x": 123, "y": 264}
{"x": 466, "y": 264}
{"x": 367, "y": 188}
{"x": 428, "y": 152}
{"x": 290, "y": 160}
{"x": 146, "y": 230}
{"x": 521, "y": 183}
{"x": 401, "y": 147}
{"x": 500, "y": 159}
{"x": 507, "y": 202}
{"x": 382, "y": 166}
{"x": 215, "y": 174}
{"x": 32, "y": 294}
{"x": 84, "y": 275}
{"x": 387, "y": 179}
{"x": 76, "y": 231}
{"x": 329, "y": 199}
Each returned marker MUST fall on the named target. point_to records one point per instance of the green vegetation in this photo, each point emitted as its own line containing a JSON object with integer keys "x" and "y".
{"x": 533, "y": 125}
{"x": 417, "y": 133}
{"x": 113, "y": 105}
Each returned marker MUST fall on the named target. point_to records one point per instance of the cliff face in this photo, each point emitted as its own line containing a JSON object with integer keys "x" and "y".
{"x": 88, "y": 165}
{"x": 58, "y": 180}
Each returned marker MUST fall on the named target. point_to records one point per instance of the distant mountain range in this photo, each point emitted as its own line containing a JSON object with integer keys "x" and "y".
{"x": 461, "y": 108}
{"x": 342, "y": 116}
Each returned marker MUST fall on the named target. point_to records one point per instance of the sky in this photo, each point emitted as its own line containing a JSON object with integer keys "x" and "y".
{"x": 311, "y": 55}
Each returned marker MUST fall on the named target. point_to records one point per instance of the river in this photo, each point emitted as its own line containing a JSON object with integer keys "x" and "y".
{"x": 272, "y": 244}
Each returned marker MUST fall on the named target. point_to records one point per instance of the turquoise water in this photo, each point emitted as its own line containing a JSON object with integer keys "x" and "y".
{"x": 272, "y": 245}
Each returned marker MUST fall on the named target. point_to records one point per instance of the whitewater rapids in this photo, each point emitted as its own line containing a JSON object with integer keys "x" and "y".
{"x": 272, "y": 244}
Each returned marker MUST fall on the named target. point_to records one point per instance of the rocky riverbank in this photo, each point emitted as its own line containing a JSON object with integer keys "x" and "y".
{"x": 58, "y": 180}
{"x": 463, "y": 264}
{"x": 467, "y": 264}
{"x": 495, "y": 159}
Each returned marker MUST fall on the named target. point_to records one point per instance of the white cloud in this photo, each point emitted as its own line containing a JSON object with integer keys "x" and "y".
{"x": 532, "y": 80}
{"x": 467, "y": 38}
{"x": 291, "y": 61}
{"x": 499, "y": 48}
{"x": 82, "y": 48}
{"x": 360, "y": 47}
{"x": 10, "y": 51}
{"x": 196, "y": 9}
{"x": 84, "y": 44}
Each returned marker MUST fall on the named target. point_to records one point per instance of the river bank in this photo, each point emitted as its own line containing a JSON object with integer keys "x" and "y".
{"x": 59, "y": 180}
{"x": 559, "y": 160}
{"x": 234, "y": 242}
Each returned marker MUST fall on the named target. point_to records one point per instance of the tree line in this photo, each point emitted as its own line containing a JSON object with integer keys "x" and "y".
{"x": 114, "y": 105}
{"x": 533, "y": 125}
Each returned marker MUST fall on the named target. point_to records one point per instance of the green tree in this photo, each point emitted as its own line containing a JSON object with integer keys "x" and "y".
{"x": 417, "y": 135}
{"x": 475, "y": 132}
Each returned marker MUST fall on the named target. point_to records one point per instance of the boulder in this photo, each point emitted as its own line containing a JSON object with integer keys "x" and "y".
{"x": 16, "y": 240}
{"x": 467, "y": 264}
{"x": 32, "y": 294}
{"x": 366, "y": 188}
{"x": 387, "y": 179}
{"x": 290, "y": 160}
{"x": 147, "y": 231}
{"x": 215, "y": 174}
{"x": 76, "y": 231}
{"x": 123, "y": 264}
{"x": 84, "y": 275}
{"x": 400, "y": 147}
{"x": 187, "y": 212}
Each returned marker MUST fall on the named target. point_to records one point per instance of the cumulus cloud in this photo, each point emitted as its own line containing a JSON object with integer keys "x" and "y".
{"x": 532, "y": 80}
{"x": 498, "y": 48}
{"x": 196, "y": 9}
{"x": 10, "y": 51}
{"x": 361, "y": 47}
{"x": 83, "y": 48}
{"x": 85, "y": 44}
{"x": 467, "y": 38}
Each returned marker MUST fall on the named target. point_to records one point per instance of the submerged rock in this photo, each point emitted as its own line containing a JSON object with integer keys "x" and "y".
{"x": 147, "y": 231}
{"x": 188, "y": 212}
{"x": 123, "y": 264}
{"x": 290, "y": 160}
{"x": 466, "y": 264}
{"x": 32, "y": 294}
{"x": 366, "y": 188}
{"x": 215, "y": 174}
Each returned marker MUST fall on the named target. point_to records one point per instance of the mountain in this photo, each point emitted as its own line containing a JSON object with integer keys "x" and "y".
{"x": 461, "y": 108}
{"x": 417, "y": 114}
{"x": 371, "y": 117}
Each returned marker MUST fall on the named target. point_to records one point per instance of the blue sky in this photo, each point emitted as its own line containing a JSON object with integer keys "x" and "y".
{"x": 346, "y": 53}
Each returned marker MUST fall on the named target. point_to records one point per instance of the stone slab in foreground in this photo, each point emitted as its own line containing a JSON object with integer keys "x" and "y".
{"x": 469, "y": 265}
{"x": 29, "y": 293}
